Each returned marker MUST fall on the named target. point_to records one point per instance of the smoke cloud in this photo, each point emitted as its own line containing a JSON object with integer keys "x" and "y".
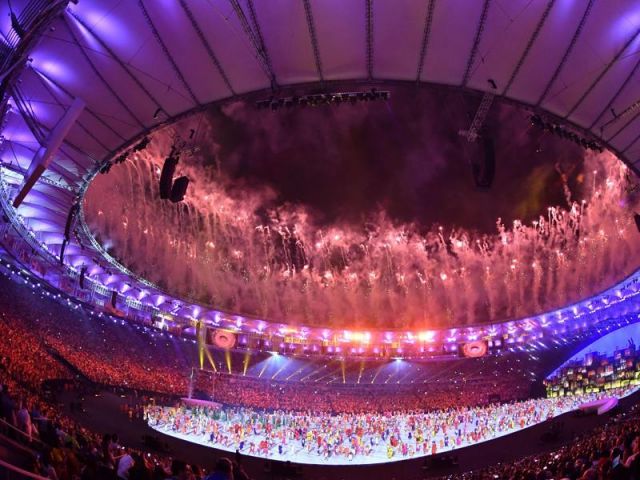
{"x": 367, "y": 215}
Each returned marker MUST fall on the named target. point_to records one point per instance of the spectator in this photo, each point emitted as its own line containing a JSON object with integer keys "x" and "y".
{"x": 125, "y": 463}
{"x": 180, "y": 470}
{"x": 23, "y": 420}
{"x": 222, "y": 471}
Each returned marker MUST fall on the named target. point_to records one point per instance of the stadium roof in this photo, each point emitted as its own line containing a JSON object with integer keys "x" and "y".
{"x": 127, "y": 59}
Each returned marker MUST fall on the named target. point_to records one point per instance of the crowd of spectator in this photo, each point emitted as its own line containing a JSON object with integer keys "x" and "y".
{"x": 281, "y": 395}
{"x": 38, "y": 348}
{"x": 611, "y": 452}
{"x": 61, "y": 449}
{"x": 105, "y": 351}
{"x": 343, "y": 437}
{"x": 116, "y": 353}
{"x": 22, "y": 355}
{"x": 597, "y": 370}
{"x": 38, "y": 353}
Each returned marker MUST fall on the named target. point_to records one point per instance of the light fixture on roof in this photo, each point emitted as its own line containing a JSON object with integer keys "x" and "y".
{"x": 562, "y": 132}
{"x": 313, "y": 100}
{"x": 142, "y": 144}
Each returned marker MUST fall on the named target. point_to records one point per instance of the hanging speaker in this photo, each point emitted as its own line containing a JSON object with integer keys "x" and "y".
{"x": 62, "y": 248}
{"x": 166, "y": 176}
{"x": 483, "y": 172}
{"x": 179, "y": 189}
{"x": 83, "y": 272}
{"x": 114, "y": 298}
{"x": 72, "y": 212}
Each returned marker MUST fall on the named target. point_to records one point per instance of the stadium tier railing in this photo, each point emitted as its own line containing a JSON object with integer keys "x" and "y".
{"x": 10, "y": 432}
{"x": 9, "y": 471}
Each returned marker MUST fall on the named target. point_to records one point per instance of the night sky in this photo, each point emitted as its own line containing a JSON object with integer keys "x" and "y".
{"x": 345, "y": 163}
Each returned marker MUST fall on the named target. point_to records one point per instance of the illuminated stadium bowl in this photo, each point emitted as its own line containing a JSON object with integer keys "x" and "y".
{"x": 149, "y": 73}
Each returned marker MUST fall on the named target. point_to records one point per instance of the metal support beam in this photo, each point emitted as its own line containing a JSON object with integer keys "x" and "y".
{"x": 624, "y": 127}
{"x": 529, "y": 46}
{"x": 263, "y": 46}
{"x": 20, "y": 62}
{"x": 166, "y": 52}
{"x": 44, "y": 129}
{"x": 88, "y": 110}
{"x": 425, "y": 38}
{"x": 567, "y": 52}
{"x": 65, "y": 174}
{"x": 49, "y": 181}
{"x": 19, "y": 40}
{"x": 68, "y": 175}
{"x": 603, "y": 73}
{"x": 44, "y": 156}
{"x": 478, "y": 120}
{"x": 206, "y": 45}
{"x": 369, "y": 41}
{"x": 314, "y": 39}
{"x": 48, "y": 88}
{"x": 614, "y": 98}
{"x": 255, "y": 38}
{"x": 118, "y": 61}
{"x": 107, "y": 85}
{"x": 44, "y": 179}
{"x": 476, "y": 42}
{"x": 27, "y": 114}
{"x": 73, "y": 147}
{"x": 631, "y": 144}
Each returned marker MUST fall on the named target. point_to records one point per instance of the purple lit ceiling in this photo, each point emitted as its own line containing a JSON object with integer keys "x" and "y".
{"x": 576, "y": 59}
{"x": 138, "y": 64}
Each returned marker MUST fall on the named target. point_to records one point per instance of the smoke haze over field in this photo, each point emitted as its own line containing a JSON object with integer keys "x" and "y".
{"x": 368, "y": 216}
{"x": 404, "y": 156}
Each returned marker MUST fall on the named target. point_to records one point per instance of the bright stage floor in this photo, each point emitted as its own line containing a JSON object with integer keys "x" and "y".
{"x": 301, "y": 456}
{"x": 295, "y": 453}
